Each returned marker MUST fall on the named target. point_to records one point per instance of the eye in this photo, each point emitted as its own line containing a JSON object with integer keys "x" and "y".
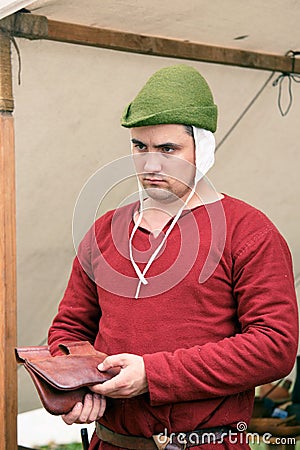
{"x": 139, "y": 147}
{"x": 168, "y": 149}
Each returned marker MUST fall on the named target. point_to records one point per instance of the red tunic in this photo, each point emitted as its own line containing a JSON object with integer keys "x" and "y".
{"x": 217, "y": 317}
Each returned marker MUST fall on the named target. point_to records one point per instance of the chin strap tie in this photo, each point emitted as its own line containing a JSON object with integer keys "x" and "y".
{"x": 204, "y": 156}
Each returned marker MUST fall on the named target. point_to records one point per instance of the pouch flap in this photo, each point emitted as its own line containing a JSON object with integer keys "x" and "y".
{"x": 78, "y": 348}
{"x": 34, "y": 352}
{"x": 72, "y": 371}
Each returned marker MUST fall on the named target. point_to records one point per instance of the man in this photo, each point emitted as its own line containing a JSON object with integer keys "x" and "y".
{"x": 189, "y": 291}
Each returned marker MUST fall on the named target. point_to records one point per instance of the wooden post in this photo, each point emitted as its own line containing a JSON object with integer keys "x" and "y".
{"x": 8, "y": 373}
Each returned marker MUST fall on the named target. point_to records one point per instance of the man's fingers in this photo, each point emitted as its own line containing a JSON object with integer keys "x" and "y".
{"x": 99, "y": 405}
{"x": 110, "y": 386}
{"x": 87, "y": 408}
{"x": 117, "y": 387}
{"x": 130, "y": 381}
{"x": 93, "y": 408}
{"x": 102, "y": 407}
{"x": 73, "y": 415}
{"x": 90, "y": 410}
{"x": 106, "y": 388}
{"x": 113, "y": 361}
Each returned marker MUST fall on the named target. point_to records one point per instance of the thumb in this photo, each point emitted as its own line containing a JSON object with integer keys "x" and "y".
{"x": 112, "y": 361}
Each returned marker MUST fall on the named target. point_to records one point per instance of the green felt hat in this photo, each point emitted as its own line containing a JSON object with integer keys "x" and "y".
{"x": 176, "y": 94}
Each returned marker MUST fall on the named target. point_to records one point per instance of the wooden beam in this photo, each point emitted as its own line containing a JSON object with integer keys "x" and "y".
{"x": 8, "y": 372}
{"x": 38, "y": 27}
{"x": 171, "y": 48}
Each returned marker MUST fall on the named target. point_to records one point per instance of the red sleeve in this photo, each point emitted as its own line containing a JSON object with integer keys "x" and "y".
{"x": 265, "y": 349}
{"x": 79, "y": 312}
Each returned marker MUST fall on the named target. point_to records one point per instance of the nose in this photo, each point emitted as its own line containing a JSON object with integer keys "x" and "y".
{"x": 153, "y": 163}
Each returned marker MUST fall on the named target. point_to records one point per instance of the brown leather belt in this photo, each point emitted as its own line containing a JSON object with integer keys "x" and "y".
{"x": 174, "y": 442}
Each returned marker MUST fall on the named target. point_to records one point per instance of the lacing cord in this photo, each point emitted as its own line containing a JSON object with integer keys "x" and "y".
{"x": 135, "y": 266}
{"x": 141, "y": 275}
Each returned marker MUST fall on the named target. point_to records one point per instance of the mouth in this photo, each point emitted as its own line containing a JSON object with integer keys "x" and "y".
{"x": 153, "y": 182}
{"x": 153, "y": 179}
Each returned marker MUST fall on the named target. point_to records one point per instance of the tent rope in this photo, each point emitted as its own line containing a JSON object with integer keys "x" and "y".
{"x": 245, "y": 111}
{"x": 290, "y": 76}
{"x": 279, "y": 80}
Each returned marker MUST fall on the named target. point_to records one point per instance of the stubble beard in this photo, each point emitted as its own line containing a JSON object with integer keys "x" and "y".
{"x": 167, "y": 196}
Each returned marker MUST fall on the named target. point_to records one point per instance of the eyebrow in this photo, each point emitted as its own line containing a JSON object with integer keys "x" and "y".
{"x": 166, "y": 144}
{"x": 135, "y": 141}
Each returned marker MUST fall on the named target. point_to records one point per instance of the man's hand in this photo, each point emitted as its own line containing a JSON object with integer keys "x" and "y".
{"x": 92, "y": 409}
{"x": 130, "y": 382}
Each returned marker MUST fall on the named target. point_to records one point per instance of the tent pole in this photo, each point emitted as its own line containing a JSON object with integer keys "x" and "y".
{"x": 8, "y": 373}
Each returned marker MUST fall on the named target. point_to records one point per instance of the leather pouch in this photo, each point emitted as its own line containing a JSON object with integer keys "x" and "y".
{"x": 62, "y": 381}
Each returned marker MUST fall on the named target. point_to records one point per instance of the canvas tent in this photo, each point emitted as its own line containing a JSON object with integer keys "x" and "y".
{"x": 75, "y": 81}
